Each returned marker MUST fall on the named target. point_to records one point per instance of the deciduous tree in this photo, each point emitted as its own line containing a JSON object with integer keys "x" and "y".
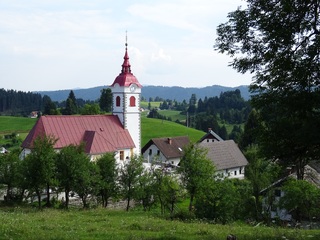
{"x": 197, "y": 171}
{"x": 130, "y": 172}
{"x": 108, "y": 173}
{"x": 279, "y": 43}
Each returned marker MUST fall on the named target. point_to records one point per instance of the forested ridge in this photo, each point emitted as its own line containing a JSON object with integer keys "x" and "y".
{"x": 19, "y": 103}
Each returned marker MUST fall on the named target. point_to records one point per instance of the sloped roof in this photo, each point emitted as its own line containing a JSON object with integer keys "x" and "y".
{"x": 100, "y": 133}
{"x": 170, "y": 147}
{"x": 211, "y": 135}
{"x": 224, "y": 154}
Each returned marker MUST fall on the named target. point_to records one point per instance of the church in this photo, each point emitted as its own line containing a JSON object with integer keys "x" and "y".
{"x": 119, "y": 132}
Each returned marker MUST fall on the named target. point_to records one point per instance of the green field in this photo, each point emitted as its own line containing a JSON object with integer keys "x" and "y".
{"x": 153, "y": 128}
{"x": 145, "y": 104}
{"x": 20, "y": 223}
{"x": 16, "y": 124}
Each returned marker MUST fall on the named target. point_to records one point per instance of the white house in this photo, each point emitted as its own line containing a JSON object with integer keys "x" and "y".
{"x": 165, "y": 150}
{"x": 224, "y": 154}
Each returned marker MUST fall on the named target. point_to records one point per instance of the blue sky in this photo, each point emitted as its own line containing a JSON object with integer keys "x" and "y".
{"x": 69, "y": 44}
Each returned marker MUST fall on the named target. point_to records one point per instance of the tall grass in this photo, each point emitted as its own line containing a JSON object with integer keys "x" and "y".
{"x": 117, "y": 224}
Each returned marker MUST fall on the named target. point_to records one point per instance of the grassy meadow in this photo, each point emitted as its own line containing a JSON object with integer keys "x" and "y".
{"x": 29, "y": 223}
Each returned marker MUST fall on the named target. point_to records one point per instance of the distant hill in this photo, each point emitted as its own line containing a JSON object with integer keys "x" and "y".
{"x": 177, "y": 93}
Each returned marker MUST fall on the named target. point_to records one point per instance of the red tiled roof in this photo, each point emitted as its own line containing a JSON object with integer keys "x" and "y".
{"x": 100, "y": 133}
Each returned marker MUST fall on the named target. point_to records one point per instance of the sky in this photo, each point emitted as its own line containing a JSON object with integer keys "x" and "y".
{"x": 70, "y": 44}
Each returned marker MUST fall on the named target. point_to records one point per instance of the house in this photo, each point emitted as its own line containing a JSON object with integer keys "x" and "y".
{"x": 273, "y": 193}
{"x": 165, "y": 150}
{"x": 33, "y": 114}
{"x": 210, "y": 136}
{"x": 119, "y": 132}
{"x": 225, "y": 155}
{"x": 227, "y": 158}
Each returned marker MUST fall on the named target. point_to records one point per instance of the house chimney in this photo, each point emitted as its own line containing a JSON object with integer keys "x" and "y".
{"x": 169, "y": 141}
{"x": 209, "y": 129}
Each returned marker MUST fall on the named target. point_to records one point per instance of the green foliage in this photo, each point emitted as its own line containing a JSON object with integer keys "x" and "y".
{"x": 261, "y": 173}
{"x": 105, "y": 100}
{"x": 108, "y": 174}
{"x": 49, "y": 107}
{"x": 130, "y": 173}
{"x": 224, "y": 201}
{"x": 11, "y": 175}
{"x": 73, "y": 172}
{"x": 71, "y": 105}
{"x": 302, "y": 198}
{"x": 278, "y": 42}
{"x": 90, "y": 109}
{"x": 18, "y": 103}
{"x": 197, "y": 172}
{"x": 39, "y": 167}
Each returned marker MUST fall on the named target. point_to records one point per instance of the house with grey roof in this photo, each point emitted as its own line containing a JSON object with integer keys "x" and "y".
{"x": 227, "y": 158}
{"x": 167, "y": 150}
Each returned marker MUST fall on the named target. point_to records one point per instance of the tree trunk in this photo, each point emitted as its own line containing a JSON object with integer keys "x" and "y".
{"x": 48, "y": 204}
{"x": 191, "y": 202}
{"x": 66, "y": 194}
{"x": 39, "y": 198}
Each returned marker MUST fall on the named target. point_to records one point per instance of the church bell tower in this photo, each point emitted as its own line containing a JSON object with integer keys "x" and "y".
{"x": 126, "y": 95}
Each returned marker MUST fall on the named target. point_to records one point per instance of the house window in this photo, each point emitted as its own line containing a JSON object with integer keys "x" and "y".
{"x": 121, "y": 155}
{"x": 207, "y": 140}
{"x": 150, "y": 151}
{"x": 240, "y": 171}
{"x": 118, "y": 101}
{"x": 158, "y": 152}
{"x": 235, "y": 173}
{"x": 277, "y": 193}
{"x": 132, "y": 101}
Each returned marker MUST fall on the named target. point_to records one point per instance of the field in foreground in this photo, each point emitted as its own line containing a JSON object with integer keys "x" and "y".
{"x": 20, "y": 223}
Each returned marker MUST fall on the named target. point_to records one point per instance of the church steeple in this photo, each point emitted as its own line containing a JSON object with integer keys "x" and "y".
{"x": 126, "y": 78}
{"x": 126, "y": 67}
{"x": 126, "y": 94}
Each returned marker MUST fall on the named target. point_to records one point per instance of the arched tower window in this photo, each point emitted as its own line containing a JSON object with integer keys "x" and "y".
{"x": 118, "y": 101}
{"x": 132, "y": 101}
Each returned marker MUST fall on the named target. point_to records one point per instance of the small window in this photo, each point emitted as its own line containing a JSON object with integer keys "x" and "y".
{"x": 235, "y": 173}
{"x": 121, "y": 155}
{"x": 118, "y": 101}
{"x": 277, "y": 193}
{"x": 150, "y": 151}
{"x": 158, "y": 152}
{"x": 207, "y": 140}
{"x": 132, "y": 101}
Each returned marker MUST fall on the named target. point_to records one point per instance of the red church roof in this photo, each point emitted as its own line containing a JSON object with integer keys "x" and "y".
{"x": 100, "y": 133}
{"x": 126, "y": 78}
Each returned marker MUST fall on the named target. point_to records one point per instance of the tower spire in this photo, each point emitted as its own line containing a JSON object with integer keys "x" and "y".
{"x": 126, "y": 67}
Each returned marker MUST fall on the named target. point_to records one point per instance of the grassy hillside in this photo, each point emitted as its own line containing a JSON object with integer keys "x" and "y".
{"x": 151, "y": 128}
{"x": 16, "y": 124}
